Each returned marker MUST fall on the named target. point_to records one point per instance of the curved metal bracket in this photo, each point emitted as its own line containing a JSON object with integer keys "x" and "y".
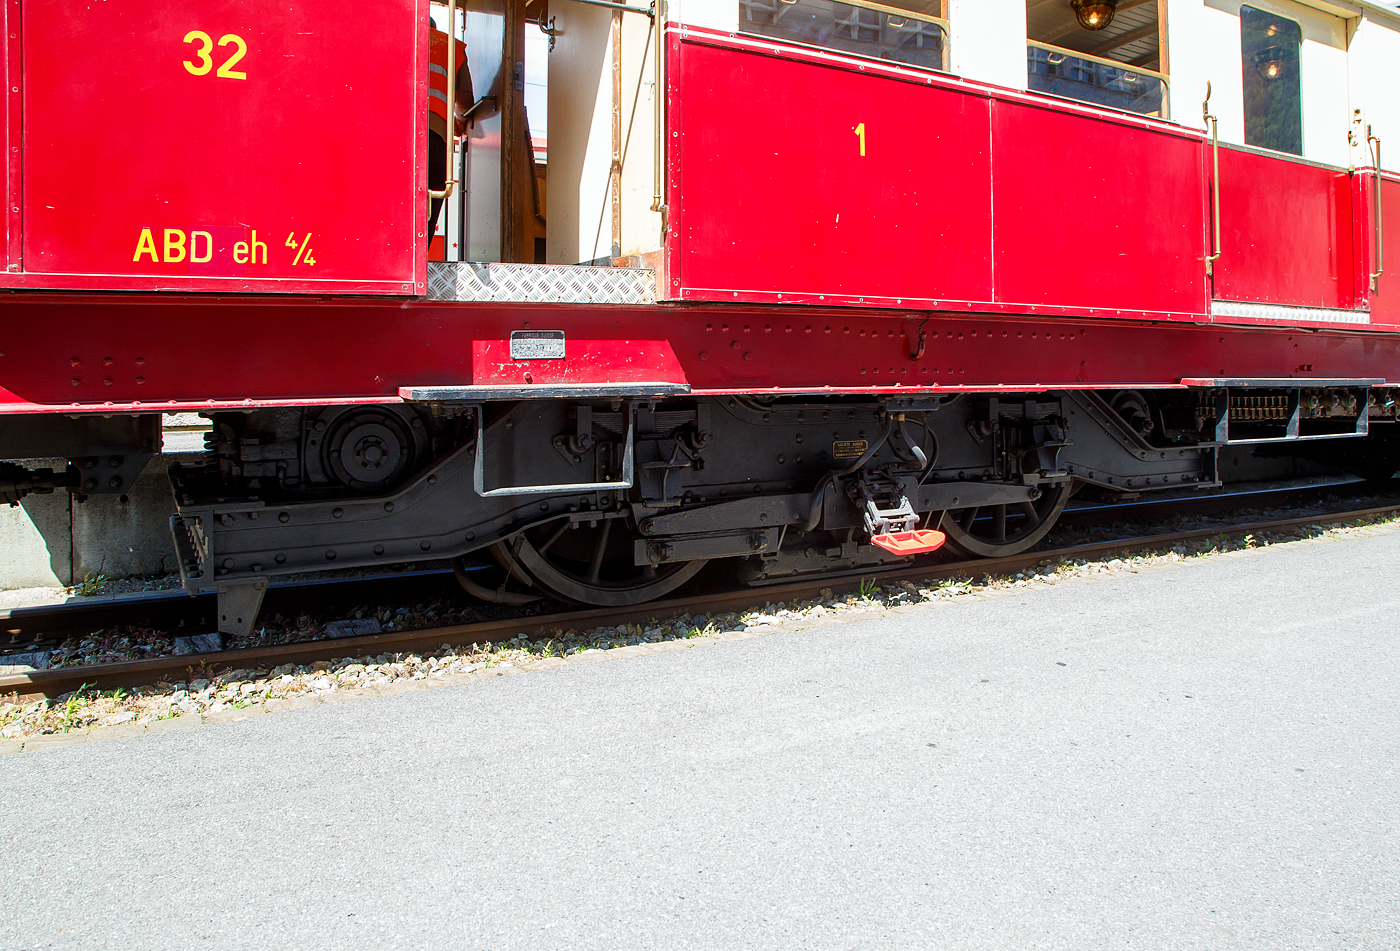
{"x": 550, "y": 31}
{"x": 479, "y": 468}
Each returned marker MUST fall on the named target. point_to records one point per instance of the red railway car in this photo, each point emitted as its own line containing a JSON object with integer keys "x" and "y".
{"x": 810, "y": 285}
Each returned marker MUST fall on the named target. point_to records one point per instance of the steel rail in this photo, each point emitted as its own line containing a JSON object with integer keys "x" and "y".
{"x": 50, "y": 683}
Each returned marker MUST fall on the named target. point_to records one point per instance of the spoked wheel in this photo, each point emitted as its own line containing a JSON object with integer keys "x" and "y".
{"x": 590, "y": 564}
{"x": 994, "y": 531}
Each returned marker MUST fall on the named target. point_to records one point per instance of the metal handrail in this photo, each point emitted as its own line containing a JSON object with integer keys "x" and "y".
{"x": 1214, "y": 123}
{"x": 941, "y": 22}
{"x": 1116, "y": 64}
{"x": 451, "y": 145}
{"x": 658, "y": 115}
{"x": 1378, "y": 213}
{"x": 624, "y": 8}
{"x": 895, "y": 11}
{"x": 470, "y": 114}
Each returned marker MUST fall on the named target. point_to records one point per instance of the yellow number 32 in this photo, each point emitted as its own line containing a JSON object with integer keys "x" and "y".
{"x": 202, "y": 62}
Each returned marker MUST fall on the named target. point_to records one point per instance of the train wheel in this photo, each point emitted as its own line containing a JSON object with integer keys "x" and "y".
{"x": 994, "y": 531}
{"x": 590, "y": 564}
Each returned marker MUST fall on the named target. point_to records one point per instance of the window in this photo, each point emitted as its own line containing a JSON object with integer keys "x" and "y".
{"x": 911, "y": 31}
{"x": 1119, "y": 65}
{"x": 1273, "y": 88}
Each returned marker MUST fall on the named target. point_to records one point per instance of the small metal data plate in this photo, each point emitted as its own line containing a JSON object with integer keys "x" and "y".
{"x": 849, "y": 448}
{"x": 537, "y": 344}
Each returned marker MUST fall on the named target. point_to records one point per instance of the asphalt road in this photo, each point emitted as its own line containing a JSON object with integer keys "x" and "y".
{"x": 1201, "y": 756}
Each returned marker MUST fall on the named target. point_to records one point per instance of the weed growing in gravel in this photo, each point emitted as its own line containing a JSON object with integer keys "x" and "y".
{"x": 90, "y": 585}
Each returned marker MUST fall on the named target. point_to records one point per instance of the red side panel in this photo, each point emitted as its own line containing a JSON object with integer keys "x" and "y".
{"x": 1286, "y": 233}
{"x": 10, "y": 66}
{"x": 228, "y": 145}
{"x": 1094, "y": 214}
{"x": 1385, "y": 300}
{"x": 965, "y": 196}
{"x": 773, "y": 200}
{"x": 118, "y": 352}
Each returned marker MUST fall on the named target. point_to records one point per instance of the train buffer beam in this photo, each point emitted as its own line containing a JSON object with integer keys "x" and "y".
{"x": 920, "y": 541}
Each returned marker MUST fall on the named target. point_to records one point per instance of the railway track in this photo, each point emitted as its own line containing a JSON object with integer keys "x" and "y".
{"x": 175, "y": 611}
{"x": 51, "y": 683}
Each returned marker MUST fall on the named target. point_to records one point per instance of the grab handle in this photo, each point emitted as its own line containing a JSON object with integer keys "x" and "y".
{"x": 451, "y": 146}
{"x": 1377, "y": 214}
{"x": 1214, "y": 123}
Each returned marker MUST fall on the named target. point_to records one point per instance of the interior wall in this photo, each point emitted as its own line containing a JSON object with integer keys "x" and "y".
{"x": 641, "y": 227}
{"x": 580, "y": 219}
{"x": 580, "y": 135}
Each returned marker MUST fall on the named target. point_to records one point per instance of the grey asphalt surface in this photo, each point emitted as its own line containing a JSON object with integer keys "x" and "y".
{"x": 1200, "y": 756}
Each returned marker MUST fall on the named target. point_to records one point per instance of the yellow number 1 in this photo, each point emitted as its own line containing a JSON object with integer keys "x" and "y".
{"x": 860, "y": 131}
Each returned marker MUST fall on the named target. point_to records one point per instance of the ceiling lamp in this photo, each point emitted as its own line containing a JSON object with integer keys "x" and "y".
{"x": 1272, "y": 62}
{"x": 1094, "y": 14}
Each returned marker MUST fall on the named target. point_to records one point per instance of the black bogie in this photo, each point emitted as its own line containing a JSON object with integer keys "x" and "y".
{"x": 616, "y": 501}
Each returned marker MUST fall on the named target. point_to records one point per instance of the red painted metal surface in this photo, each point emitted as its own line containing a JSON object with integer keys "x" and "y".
{"x": 1385, "y": 300}
{"x": 1093, "y": 214}
{"x": 1286, "y": 232}
{"x": 230, "y": 145}
{"x": 284, "y": 351}
{"x": 10, "y": 234}
{"x": 1003, "y": 243}
{"x": 771, "y": 199}
{"x": 587, "y": 360}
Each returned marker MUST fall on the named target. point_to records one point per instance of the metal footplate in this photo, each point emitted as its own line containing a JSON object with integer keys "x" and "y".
{"x": 892, "y": 521}
{"x": 919, "y": 541}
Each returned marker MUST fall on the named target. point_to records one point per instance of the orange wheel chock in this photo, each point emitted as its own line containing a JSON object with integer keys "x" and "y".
{"x": 918, "y": 542}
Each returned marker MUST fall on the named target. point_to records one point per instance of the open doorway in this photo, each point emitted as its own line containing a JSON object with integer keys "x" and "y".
{"x": 497, "y": 210}
{"x": 1107, "y": 53}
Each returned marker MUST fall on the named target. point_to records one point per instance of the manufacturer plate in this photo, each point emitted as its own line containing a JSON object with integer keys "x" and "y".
{"x": 849, "y": 448}
{"x": 537, "y": 344}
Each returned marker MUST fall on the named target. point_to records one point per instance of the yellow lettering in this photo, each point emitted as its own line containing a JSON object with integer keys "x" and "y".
{"x": 240, "y": 253}
{"x": 227, "y": 71}
{"x": 205, "y": 45}
{"x": 257, "y": 246}
{"x": 146, "y": 244}
{"x": 174, "y": 249}
{"x": 202, "y": 62}
{"x": 195, "y": 256}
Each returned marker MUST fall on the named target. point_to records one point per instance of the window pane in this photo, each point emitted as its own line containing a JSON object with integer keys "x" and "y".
{"x": 1117, "y": 65}
{"x": 1273, "y": 89}
{"x": 903, "y": 37}
{"x": 1061, "y": 73}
